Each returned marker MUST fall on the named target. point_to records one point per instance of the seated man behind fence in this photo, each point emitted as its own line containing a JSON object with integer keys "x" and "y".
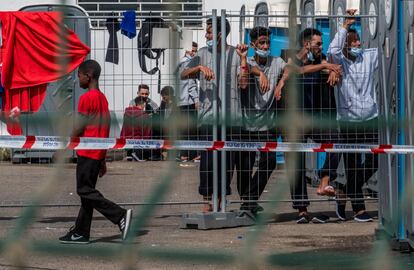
{"x": 136, "y": 125}
{"x": 150, "y": 108}
{"x": 357, "y": 112}
{"x": 165, "y": 110}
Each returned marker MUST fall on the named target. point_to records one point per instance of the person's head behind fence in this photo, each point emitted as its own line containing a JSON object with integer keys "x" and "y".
{"x": 167, "y": 92}
{"x": 143, "y": 91}
{"x": 88, "y": 71}
{"x": 353, "y": 44}
{"x": 259, "y": 31}
{"x": 260, "y": 41}
{"x": 140, "y": 101}
{"x": 311, "y": 40}
{"x": 209, "y": 31}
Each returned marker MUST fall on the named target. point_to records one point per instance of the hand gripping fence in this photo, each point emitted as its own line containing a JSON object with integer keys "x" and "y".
{"x": 75, "y": 143}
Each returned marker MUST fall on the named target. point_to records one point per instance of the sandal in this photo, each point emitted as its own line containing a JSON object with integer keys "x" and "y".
{"x": 326, "y": 191}
{"x": 208, "y": 207}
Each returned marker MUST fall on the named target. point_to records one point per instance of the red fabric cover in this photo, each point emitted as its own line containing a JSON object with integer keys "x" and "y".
{"x": 31, "y": 54}
{"x": 136, "y": 124}
{"x": 94, "y": 105}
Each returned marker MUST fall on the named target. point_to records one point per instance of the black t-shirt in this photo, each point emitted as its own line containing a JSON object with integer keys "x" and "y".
{"x": 315, "y": 95}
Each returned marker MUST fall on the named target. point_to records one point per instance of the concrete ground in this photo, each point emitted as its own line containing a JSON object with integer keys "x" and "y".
{"x": 334, "y": 245}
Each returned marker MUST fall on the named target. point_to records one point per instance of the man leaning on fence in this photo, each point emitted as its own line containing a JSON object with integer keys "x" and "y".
{"x": 201, "y": 67}
{"x": 357, "y": 112}
{"x": 315, "y": 103}
{"x": 260, "y": 106}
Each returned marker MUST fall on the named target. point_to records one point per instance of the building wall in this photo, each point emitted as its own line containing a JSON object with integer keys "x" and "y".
{"x": 156, "y": 7}
{"x": 18, "y": 4}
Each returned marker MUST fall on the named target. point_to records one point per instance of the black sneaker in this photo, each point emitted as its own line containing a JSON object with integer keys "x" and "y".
{"x": 252, "y": 207}
{"x": 73, "y": 238}
{"x": 303, "y": 219}
{"x": 125, "y": 223}
{"x": 340, "y": 211}
{"x": 364, "y": 217}
{"x": 320, "y": 219}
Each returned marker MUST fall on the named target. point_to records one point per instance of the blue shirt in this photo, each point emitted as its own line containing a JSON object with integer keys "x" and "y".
{"x": 356, "y": 99}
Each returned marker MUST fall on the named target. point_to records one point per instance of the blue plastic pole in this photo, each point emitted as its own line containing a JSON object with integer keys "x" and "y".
{"x": 401, "y": 116}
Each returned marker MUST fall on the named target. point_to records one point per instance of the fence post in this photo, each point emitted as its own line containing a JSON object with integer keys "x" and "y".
{"x": 215, "y": 111}
{"x": 223, "y": 100}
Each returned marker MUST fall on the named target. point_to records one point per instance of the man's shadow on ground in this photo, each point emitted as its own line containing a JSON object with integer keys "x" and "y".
{"x": 116, "y": 238}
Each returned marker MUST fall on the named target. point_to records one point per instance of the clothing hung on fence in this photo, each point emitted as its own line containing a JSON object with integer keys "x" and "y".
{"x": 31, "y": 55}
{"x": 112, "y": 53}
{"x": 128, "y": 24}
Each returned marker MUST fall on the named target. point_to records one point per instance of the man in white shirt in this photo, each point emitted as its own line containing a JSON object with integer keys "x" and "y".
{"x": 357, "y": 111}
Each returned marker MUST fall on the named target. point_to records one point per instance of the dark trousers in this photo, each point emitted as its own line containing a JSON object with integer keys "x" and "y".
{"x": 87, "y": 171}
{"x": 330, "y": 166}
{"x": 359, "y": 168}
{"x": 206, "y": 162}
{"x": 251, "y": 186}
{"x": 298, "y": 188}
{"x": 189, "y": 113}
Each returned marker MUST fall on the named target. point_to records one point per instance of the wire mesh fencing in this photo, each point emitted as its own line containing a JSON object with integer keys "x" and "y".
{"x": 204, "y": 131}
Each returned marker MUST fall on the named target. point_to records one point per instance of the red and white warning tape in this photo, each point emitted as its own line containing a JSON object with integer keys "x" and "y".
{"x": 56, "y": 143}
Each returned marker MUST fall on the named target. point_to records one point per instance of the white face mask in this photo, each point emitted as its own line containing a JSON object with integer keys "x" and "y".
{"x": 355, "y": 51}
{"x": 209, "y": 43}
{"x": 262, "y": 53}
{"x": 188, "y": 57}
{"x": 311, "y": 58}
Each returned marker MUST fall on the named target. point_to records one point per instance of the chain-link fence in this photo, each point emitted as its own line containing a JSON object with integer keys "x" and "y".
{"x": 226, "y": 139}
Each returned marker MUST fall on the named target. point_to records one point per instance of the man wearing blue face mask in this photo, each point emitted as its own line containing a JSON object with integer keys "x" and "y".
{"x": 260, "y": 109}
{"x": 200, "y": 67}
{"x": 357, "y": 112}
{"x": 316, "y": 102}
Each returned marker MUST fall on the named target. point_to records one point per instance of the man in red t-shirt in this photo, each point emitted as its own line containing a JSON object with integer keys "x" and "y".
{"x": 94, "y": 121}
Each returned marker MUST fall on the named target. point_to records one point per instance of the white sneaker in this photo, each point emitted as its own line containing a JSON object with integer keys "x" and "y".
{"x": 125, "y": 223}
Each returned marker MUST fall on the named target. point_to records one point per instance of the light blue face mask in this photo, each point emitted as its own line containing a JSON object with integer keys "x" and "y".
{"x": 355, "y": 51}
{"x": 188, "y": 57}
{"x": 262, "y": 53}
{"x": 209, "y": 43}
{"x": 311, "y": 58}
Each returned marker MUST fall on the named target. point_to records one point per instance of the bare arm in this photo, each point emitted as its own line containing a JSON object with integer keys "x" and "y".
{"x": 14, "y": 115}
{"x": 281, "y": 84}
{"x": 338, "y": 43}
{"x": 263, "y": 80}
{"x": 191, "y": 73}
{"x": 244, "y": 67}
{"x": 314, "y": 68}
